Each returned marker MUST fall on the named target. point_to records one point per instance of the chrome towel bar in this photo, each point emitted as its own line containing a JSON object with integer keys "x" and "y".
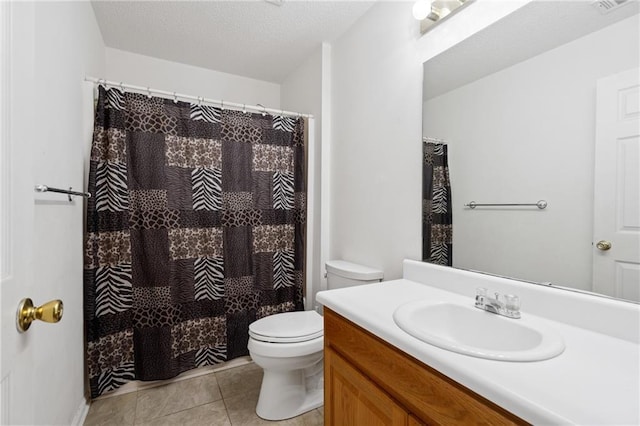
{"x": 540, "y": 204}
{"x": 69, "y": 192}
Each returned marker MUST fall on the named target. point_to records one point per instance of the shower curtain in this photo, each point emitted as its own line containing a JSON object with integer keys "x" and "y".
{"x": 436, "y": 204}
{"x": 195, "y": 229}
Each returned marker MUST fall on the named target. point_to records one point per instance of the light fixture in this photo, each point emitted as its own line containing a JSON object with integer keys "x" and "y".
{"x": 432, "y": 12}
{"x": 421, "y": 9}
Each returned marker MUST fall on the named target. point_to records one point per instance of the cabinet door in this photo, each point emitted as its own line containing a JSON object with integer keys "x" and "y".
{"x": 353, "y": 400}
{"x": 414, "y": 421}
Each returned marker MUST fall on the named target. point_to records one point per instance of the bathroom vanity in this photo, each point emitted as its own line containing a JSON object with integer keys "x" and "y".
{"x": 376, "y": 373}
{"x": 366, "y": 378}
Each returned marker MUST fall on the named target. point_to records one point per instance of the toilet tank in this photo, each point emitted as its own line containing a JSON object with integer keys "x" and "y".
{"x": 342, "y": 274}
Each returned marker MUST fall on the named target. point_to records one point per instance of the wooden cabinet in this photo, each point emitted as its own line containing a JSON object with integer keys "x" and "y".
{"x": 356, "y": 400}
{"x": 369, "y": 382}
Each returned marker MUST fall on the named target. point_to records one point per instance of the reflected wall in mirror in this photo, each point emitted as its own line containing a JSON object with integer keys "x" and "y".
{"x": 524, "y": 107}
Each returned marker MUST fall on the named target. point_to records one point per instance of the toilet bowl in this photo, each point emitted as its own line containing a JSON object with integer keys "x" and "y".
{"x": 288, "y": 346}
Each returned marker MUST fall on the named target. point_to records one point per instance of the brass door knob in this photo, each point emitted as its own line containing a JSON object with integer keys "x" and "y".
{"x": 27, "y": 313}
{"x": 603, "y": 245}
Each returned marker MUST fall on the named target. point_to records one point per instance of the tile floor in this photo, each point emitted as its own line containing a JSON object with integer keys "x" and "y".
{"x": 221, "y": 398}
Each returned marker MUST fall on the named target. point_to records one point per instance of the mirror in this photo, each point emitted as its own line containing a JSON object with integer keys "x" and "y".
{"x": 516, "y": 105}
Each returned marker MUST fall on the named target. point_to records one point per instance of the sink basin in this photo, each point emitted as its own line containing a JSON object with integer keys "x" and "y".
{"x": 471, "y": 331}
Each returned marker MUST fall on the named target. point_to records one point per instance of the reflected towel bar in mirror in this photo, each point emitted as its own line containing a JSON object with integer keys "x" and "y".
{"x": 540, "y": 204}
{"x": 69, "y": 192}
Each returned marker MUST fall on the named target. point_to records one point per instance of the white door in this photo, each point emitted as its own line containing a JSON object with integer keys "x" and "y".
{"x": 16, "y": 210}
{"x": 616, "y": 245}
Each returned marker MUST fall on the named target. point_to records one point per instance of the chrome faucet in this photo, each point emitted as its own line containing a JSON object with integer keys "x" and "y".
{"x": 510, "y": 308}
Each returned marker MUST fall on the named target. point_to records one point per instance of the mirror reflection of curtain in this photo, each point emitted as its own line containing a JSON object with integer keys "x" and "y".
{"x": 436, "y": 203}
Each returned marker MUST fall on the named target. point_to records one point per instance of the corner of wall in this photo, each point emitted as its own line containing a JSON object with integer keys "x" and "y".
{"x": 325, "y": 164}
{"x": 305, "y": 90}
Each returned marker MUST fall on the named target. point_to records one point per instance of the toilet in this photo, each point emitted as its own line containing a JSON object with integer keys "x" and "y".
{"x": 288, "y": 347}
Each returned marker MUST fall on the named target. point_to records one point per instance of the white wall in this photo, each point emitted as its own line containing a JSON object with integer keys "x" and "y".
{"x": 160, "y": 74}
{"x": 68, "y": 45}
{"x": 302, "y": 91}
{"x": 375, "y": 144}
{"x": 523, "y": 134}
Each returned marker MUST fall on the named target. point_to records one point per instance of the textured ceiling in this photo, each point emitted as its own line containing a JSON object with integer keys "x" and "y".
{"x": 254, "y": 39}
{"x": 533, "y": 29}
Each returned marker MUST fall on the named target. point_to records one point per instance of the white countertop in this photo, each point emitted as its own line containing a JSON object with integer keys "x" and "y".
{"x": 595, "y": 381}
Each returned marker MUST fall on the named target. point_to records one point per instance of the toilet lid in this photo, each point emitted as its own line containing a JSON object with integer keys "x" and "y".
{"x": 288, "y": 327}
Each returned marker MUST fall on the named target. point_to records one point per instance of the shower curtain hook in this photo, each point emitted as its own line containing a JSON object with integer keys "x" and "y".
{"x": 264, "y": 110}
{"x": 199, "y": 100}
{"x": 148, "y": 92}
{"x": 121, "y": 87}
{"x": 244, "y": 108}
{"x": 175, "y": 98}
{"x": 222, "y": 104}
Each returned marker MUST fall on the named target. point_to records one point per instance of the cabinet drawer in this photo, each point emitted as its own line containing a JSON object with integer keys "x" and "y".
{"x": 428, "y": 394}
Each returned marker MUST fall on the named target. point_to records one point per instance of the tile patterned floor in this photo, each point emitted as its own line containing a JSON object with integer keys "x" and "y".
{"x": 224, "y": 398}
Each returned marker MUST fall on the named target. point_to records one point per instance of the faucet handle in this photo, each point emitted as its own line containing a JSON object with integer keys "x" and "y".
{"x": 481, "y": 293}
{"x": 512, "y": 302}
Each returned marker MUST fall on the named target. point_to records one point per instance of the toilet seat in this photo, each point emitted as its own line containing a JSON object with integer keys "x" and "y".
{"x": 288, "y": 327}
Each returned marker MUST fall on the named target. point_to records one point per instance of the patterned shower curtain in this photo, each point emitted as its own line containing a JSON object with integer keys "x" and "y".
{"x": 195, "y": 230}
{"x": 436, "y": 203}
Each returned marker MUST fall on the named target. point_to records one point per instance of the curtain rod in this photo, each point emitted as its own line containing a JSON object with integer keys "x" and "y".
{"x": 223, "y": 104}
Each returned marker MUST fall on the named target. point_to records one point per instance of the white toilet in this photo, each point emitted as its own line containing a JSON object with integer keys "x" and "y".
{"x": 289, "y": 346}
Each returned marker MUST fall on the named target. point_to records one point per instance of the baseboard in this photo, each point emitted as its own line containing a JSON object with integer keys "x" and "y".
{"x": 81, "y": 413}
